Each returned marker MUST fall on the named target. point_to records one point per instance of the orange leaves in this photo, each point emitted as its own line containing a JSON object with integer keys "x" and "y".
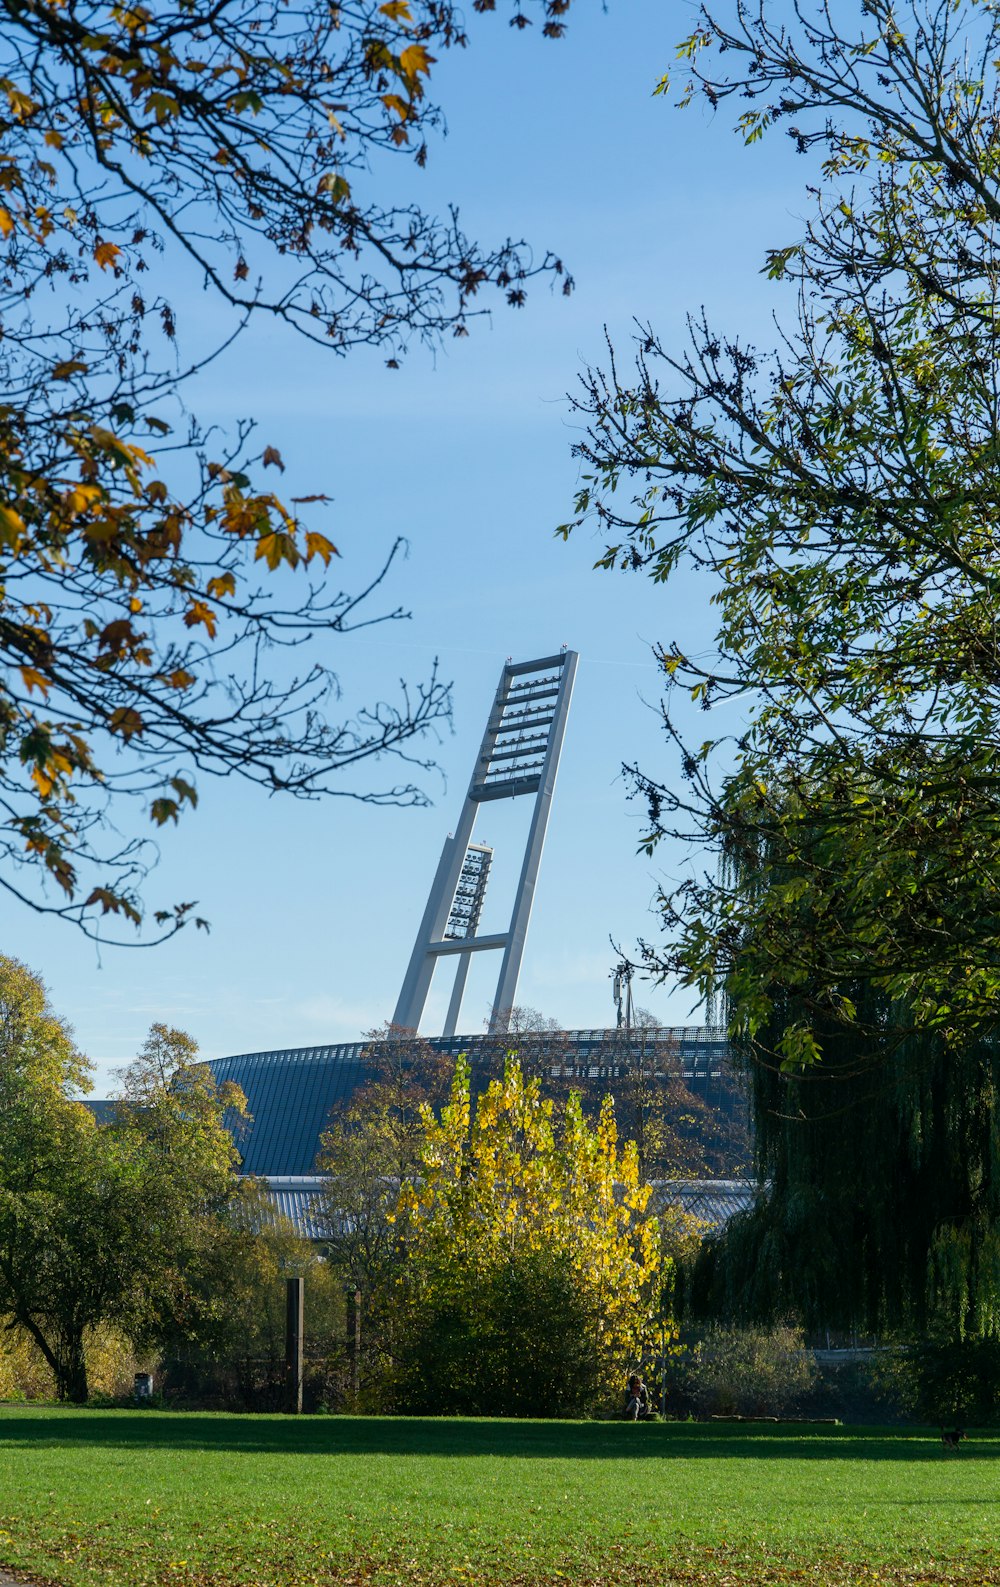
{"x": 6, "y": 223}
{"x": 106, "y": 253}
{"x": 180, "y": 678}
{"x": 199, "y": 612}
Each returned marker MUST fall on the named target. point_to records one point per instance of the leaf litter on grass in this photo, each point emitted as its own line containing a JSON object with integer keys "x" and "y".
{"x": 705, "y": 1567}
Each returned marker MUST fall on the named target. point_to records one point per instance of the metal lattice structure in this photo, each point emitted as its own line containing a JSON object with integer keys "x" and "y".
{"x": 519, "y": 756}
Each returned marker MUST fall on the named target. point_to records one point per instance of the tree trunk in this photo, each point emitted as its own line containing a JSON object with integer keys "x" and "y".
{"x": 71, "y": 1367}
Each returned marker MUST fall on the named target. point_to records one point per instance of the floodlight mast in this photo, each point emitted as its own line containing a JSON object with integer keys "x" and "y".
{"x": 519, "y": 755}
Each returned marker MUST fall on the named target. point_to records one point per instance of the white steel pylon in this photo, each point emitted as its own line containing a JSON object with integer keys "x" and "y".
{"x": 519, "y": 755}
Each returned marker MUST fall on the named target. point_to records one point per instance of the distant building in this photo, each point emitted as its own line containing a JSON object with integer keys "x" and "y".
{"x": 291, "y": 1092}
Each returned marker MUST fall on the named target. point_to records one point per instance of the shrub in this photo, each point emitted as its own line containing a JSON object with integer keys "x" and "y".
{"x": 745, "y": 1372}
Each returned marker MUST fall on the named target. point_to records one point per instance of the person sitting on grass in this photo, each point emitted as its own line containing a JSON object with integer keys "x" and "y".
{"x": 636, "y": 1399}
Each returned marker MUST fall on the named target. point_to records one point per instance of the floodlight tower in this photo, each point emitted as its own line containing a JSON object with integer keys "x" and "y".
{"x": 519, "y": 756}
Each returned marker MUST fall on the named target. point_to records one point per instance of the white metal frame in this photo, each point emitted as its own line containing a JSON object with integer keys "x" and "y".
{"x": 519, "y": 756}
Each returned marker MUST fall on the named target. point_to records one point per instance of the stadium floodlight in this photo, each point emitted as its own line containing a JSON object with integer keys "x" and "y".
{"x": 519, "y": 756}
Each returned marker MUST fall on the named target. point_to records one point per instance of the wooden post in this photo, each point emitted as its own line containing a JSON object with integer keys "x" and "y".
{"x": 294, "y": 1330}
{"x": 354, "y": 1338}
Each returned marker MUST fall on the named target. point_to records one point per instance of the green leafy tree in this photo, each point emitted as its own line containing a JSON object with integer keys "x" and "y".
{"x": 533, "y": 1272}
{"x": 247, "y": 147}
{"x": 102, "y": 1224}
{"x": 841, "y": 495}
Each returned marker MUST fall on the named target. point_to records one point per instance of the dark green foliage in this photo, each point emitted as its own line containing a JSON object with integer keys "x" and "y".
{"x": 881, "y": 1164}
{"x": 521, "y": 1346}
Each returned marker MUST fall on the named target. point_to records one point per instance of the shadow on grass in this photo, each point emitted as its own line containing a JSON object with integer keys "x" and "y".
{"x": 343, "y": 1435}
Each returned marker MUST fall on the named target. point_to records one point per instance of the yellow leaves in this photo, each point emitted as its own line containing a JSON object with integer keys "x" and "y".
{"x": 54, "y": 139}
{"x": 34, "y": 680}
{"x": 6, "y": 223}
{"x": 318, "y": 545}
{"x": 223, "y": 584}
{"x": 414, "y": 60}
{"x": 396, "y": 11}
{"x": 199, "y": 612}
{"x": 277, "y": 547}
{"x": 22, "y": 106}
{"x": 11, "y": 528}
{"x": 67, "y": 368}
{"x": 400, "y": 106}
{"x": 180, "y": 678}
{"x": 105, "y": 254}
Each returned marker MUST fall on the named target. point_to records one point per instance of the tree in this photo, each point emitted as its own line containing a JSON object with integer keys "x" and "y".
{"x": 109, "y": 1224}
{"x": 533, "y": 1272}
{"x": 879, "y": 1211}
{"x": 139, "y": 643}
{"x": 843, "y": 494}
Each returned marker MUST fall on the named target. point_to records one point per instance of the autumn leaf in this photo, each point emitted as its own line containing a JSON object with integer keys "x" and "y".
{"x": 197, "y": 613}
{"x": 272, "y": 457}
{"x": 318, "y": 545}
{"x": 223, "y": 584}
{"x": 6, "y": 223}
{"x": 276, "y": 548}
{"x": 126, "y": 722}
{"x": 11, "y": 527}
{"x": 68, "y": 367}
{"x": 105, "y": 254}
{"x": 414, "y": 60}
{"x": 33, "y": 679}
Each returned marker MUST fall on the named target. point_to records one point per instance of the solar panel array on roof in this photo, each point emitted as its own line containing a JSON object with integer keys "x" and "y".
{"x": 290, "y": 1092}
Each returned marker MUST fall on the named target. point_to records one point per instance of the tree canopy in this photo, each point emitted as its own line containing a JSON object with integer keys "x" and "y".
{"x": 143, "y": 636}
{"x": 841, "y": 494}
{"x": 110, "y": 1224}
{"x": 533, "y": 1273}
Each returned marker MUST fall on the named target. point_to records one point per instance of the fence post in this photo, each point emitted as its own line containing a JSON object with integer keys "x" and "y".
{"x": 294, "y": 1319}
{"x": 354, "y": 1338}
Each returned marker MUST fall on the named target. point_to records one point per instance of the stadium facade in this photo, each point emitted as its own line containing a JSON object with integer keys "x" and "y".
{"x": 292, "y": 1092}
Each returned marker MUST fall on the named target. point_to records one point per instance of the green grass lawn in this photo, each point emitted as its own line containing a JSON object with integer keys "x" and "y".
{"x": 125, "y": 1498}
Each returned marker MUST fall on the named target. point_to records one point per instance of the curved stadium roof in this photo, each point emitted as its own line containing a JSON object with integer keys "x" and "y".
{"x": 290, "y": 1092}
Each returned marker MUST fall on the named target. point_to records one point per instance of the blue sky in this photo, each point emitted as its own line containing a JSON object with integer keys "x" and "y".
{"x": 468, "y": 454}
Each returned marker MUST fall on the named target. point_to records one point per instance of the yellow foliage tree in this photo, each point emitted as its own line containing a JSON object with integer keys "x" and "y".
{"x": 533, "y": 1269}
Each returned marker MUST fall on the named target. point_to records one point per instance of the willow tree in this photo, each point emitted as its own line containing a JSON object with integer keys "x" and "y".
{"x": 842, "y": 496}
{"x": 267, "y": 155}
